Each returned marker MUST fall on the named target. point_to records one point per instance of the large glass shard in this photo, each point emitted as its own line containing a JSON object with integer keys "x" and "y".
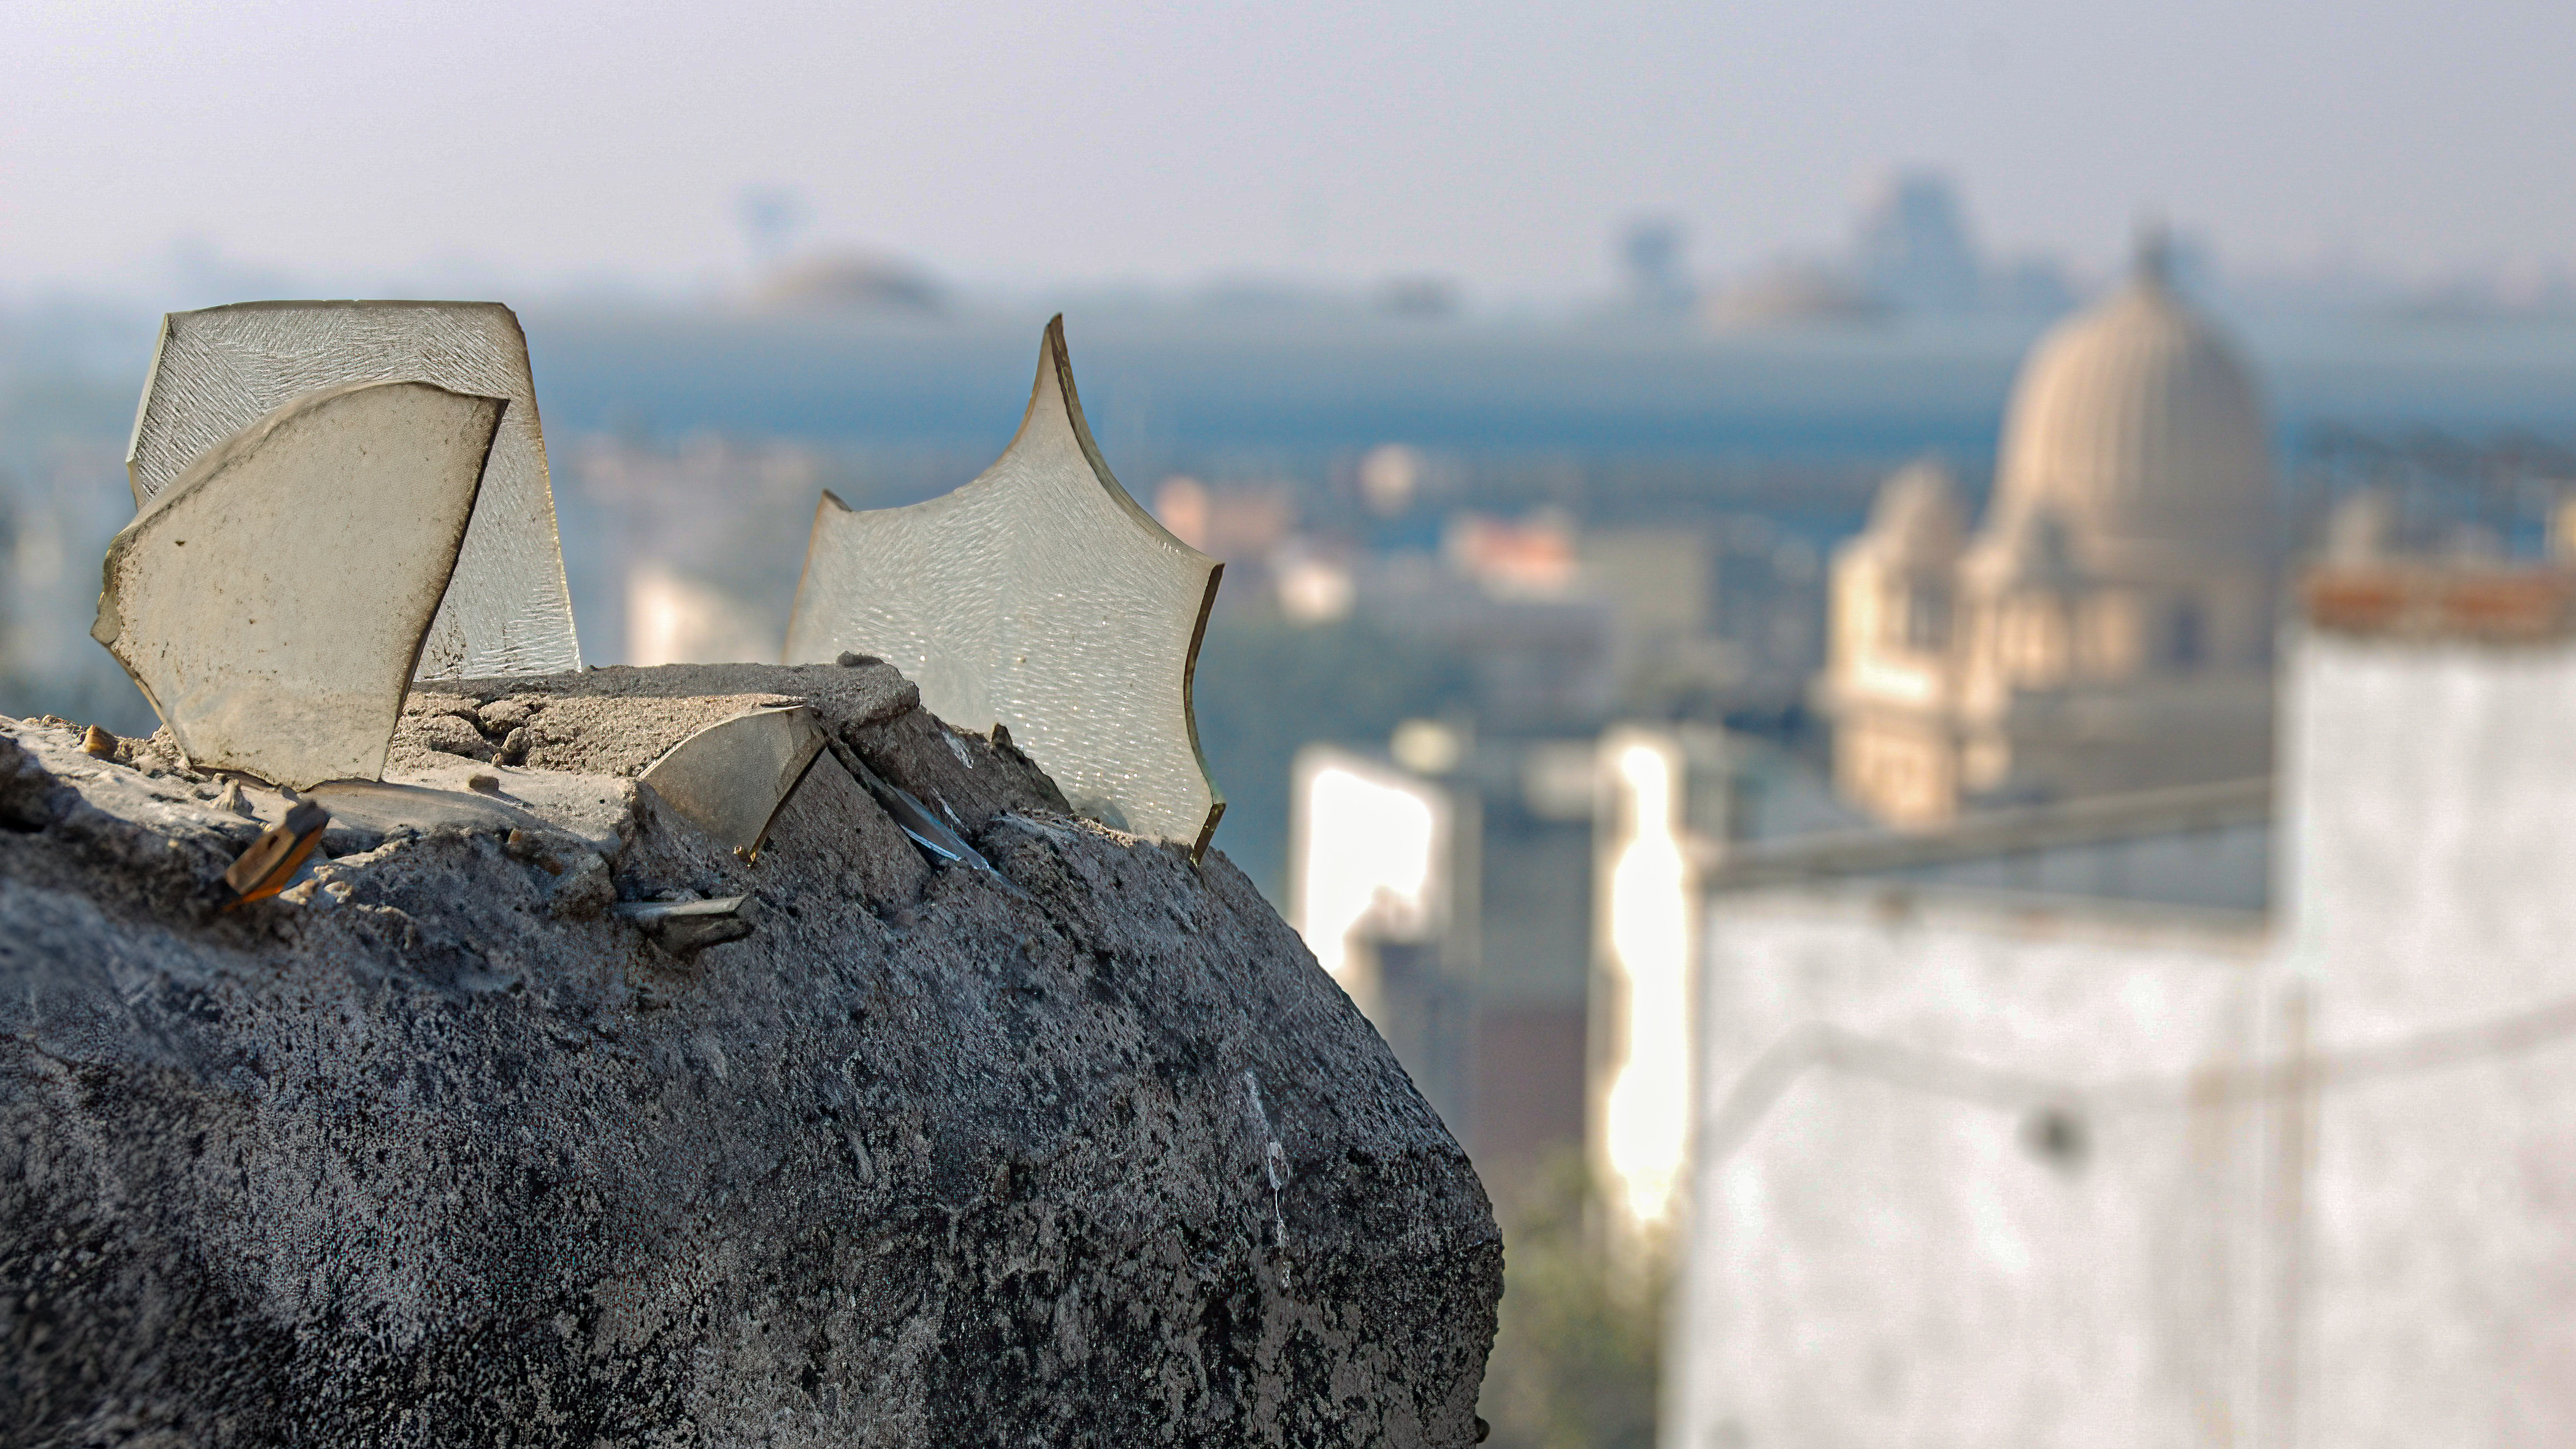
{"x": 273, "y": 599}
{"x": 1038, "y": 596}
{"x": 730, "y": 778}
{"x": 507, "y": 611}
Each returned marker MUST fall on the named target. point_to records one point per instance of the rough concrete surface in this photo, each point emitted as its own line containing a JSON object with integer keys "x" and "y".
{"x": 436, "y": 1149}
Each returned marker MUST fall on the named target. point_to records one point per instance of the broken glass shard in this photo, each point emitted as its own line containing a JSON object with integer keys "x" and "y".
{"x": 1042, "y": 598}
{"x": 913, "y": 818}
{"x": 264, "y": 869}
{"x": 677, "y": 910}
{"x": 272, "y": 600}
{"x": 216, "y": 371}
{"x": 684, "y": 928}
{"x": 730, "y": 778}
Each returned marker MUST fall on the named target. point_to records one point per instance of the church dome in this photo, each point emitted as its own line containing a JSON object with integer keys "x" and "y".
{"x": 2029, "y": 550}
{"x": 2137, "y": 427}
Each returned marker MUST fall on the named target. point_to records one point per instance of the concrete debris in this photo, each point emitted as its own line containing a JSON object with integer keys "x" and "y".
{"x": 98, "y": 742}
{"x": 29, "y": 796}
{"x": 462, "y": 1139}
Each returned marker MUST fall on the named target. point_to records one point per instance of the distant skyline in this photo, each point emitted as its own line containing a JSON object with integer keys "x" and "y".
{"x": 1505, "y": 145}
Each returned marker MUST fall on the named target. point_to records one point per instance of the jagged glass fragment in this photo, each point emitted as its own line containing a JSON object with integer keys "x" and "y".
{"x": 730, "y": 778}
{"x": 677, "y": 910}
{"x": 272, "y": 600}
{"x": 264, "y": 869}
{"x": 913, "y": 818}
{"x": 216, "y": 371}
{"x": 1038, "y": 596}
{"x": 684, "y": 928}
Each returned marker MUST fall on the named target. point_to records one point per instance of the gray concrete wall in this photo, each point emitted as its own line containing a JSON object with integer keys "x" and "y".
{"x": 2430, "y": 885}
{"x": 1883, "y": 1252}
{"x": 2321, "y": 1180}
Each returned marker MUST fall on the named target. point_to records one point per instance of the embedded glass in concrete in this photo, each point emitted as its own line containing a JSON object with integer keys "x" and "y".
{"x": 1041, "y": 597}
{"x": 272, "y": 599}
{"x": 730, "y": 778}
{"x": 219, "y": 370}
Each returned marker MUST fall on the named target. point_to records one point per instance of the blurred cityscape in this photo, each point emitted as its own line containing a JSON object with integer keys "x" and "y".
{"x": 1963, "y": 840}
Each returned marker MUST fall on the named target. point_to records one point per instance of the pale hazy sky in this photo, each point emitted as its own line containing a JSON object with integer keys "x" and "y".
{"x": 1500, "y": 142}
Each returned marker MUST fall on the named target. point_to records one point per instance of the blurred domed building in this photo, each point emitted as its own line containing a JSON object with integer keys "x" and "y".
{"x": 2109, "y": 627}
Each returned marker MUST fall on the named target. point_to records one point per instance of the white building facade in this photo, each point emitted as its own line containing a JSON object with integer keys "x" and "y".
{"x": 1985, "y": 1168}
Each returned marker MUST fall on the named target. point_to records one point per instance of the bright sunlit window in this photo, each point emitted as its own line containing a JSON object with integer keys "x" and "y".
{"x": 1367, "y": 844}
{"x": 1646, "y": 1111}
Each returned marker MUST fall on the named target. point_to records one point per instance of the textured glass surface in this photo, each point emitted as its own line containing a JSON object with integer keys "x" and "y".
{"x": 730, "y": 778}
{"x": 1041, "y": 597}
{"x": 217, "y": 371}
{"x": 272, "y": 600}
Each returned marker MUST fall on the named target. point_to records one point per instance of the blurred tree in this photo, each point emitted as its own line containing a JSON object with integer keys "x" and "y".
{"x": 1576, "y": 1356}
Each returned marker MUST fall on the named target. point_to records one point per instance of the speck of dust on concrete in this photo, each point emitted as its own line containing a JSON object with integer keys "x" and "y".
{"x": 437, "y": 1149}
